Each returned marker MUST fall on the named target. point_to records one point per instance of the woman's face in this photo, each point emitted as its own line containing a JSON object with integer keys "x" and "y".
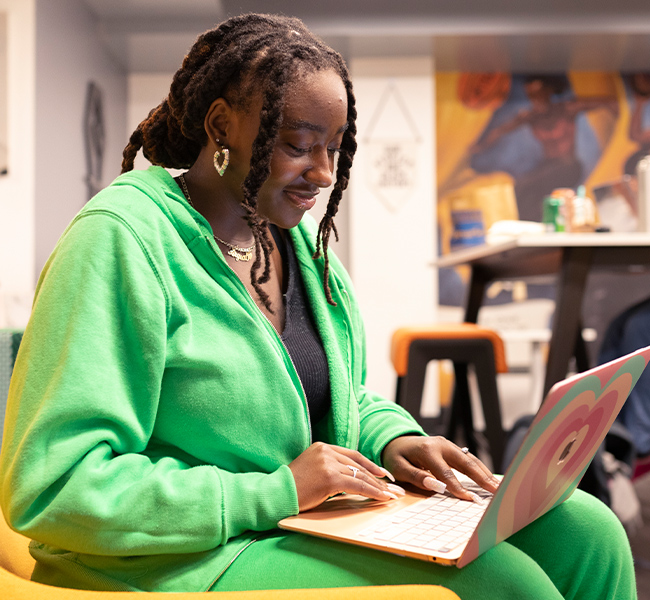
{"x": 538, "y": 91}
{"x": 642, "y": 84}
{"x": 314, "y": 119}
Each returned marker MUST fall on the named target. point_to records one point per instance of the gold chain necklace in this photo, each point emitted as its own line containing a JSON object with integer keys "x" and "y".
{"x": 237, "y": 252}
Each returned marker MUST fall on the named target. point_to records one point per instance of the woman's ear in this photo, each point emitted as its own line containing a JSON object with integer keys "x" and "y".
{"x": 218, "y": 120}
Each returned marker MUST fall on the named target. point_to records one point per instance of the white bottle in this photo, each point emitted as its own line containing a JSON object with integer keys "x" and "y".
{"x": 643, "y": 193}
{"x": 584, "y": 211}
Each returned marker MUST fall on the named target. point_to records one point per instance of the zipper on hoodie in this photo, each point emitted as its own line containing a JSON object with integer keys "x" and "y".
{"x": 232, "y": 560}
{"x": 345, "y": 295}
{"x": 257, "y": 308}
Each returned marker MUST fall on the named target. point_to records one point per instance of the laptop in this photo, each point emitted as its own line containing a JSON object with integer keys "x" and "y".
{"x": 561, "y": 442}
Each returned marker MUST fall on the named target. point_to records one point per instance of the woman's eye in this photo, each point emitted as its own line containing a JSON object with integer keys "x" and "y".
{"x": 299, "y": 150}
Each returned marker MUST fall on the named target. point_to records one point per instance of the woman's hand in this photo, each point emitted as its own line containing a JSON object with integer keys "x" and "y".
{"x": 324, "y": 470}
{"x": 414, "y": 459}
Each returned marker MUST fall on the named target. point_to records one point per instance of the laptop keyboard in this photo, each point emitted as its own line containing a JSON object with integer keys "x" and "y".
{"x": 439, "y": 523}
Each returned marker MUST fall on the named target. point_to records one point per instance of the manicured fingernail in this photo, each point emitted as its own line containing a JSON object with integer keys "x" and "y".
{"x": 434, "y": 485}
{"x": 388, "y": 474}
{"x": 396, "y": 489}
{"x": 390, "y": 495}
{"x": 476, "y": 498}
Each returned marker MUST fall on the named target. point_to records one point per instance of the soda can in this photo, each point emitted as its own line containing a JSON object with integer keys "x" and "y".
{"x": 553, "y": 214}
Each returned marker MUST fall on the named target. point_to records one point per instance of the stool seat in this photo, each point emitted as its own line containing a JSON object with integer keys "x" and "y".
{"x": 404, "y": 336}
{"x": 413, "y": 347}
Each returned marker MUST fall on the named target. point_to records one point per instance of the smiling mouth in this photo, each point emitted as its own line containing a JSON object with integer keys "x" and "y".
{"x": 302, "y": 200}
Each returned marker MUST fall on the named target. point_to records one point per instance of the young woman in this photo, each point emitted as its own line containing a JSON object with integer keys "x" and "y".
{"x": 193, "y": 370}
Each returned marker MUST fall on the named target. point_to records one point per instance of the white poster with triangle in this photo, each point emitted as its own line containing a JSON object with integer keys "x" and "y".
{"x": 392, "y": 140}
{"x": 391, "y": 203}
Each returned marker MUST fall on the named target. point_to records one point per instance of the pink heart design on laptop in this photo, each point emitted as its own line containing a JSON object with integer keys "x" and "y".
{"x": 560, "y": 454}
{"x": 566, "y": 432}
{"x": 578, "y": 437}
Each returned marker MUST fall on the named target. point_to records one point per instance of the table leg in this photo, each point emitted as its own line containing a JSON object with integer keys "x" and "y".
{"x": 580, "y": 352}
{"x": 475, "y": 292}
{"x": 571, "y": 282}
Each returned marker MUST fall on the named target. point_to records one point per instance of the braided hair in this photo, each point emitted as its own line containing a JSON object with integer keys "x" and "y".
{"x": 267, "y": 51}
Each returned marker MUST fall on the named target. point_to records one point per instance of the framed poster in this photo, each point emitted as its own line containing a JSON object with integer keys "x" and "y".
{"x": 506, "y": 140}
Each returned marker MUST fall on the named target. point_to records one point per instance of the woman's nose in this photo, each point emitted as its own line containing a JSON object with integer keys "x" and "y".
{"x": 320, "y": 170}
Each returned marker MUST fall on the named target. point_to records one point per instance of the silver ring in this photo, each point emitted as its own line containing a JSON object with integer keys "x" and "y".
{"x": 464, "y": 450}
{"x": 354, "y": 470}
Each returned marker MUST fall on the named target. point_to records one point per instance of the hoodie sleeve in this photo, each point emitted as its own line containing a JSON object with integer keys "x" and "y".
{"x": 77, "y": 469}
{"x": 380, "y": 420}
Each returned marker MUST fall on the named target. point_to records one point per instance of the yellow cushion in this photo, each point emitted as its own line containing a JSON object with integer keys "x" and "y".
{"x": 14, "y": 555}
{"x": 16, "y": 565}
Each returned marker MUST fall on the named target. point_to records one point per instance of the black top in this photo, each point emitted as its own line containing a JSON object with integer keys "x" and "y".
{"x": 300, "y": 336}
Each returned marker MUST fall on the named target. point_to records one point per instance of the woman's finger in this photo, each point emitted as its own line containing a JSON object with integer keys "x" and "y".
{"x": 437, "y": 479}
{"x": 324, "y": 470}
{"x": 475, "y": 461}
{"x": 396, "y": 490}
{"x": 429, "y": 462}
{"x": 358, "y": 481}
{"x": 439, "y": 454}
{"x": 348, "y": 459}
{"x": 361, "y": 460}
{"x": 446, "y": 456}
{"x": 464, "y": 461}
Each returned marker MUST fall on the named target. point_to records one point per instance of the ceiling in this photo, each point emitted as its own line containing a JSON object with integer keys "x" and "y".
{"x": 478, "y": 35}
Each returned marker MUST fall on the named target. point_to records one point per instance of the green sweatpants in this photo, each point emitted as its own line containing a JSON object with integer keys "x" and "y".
{"x": 577, "y": 550}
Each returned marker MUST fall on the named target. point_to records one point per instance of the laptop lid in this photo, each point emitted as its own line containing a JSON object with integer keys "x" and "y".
{"x": 561, "y": 442}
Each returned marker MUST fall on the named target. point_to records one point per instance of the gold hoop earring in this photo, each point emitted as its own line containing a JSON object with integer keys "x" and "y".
{"x": 221, "y": 164}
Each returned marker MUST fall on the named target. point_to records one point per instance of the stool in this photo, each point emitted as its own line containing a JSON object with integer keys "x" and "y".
{"x": 412, "y": 348}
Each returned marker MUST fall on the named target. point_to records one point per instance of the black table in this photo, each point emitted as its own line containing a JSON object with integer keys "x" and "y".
{"x": 571, "y": 257}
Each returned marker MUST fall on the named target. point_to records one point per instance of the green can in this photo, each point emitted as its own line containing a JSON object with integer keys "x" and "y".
{"x": 553, "y": 214}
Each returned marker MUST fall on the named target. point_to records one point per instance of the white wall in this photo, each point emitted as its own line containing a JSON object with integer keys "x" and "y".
{"x": 144, "y": 92}
{"x": 53, "y": 51}
{"x": 3, "y": 91}
{"x": 68, "y": 56}
{"x": 392, "y": 206}
{"x": 17, "y": 188}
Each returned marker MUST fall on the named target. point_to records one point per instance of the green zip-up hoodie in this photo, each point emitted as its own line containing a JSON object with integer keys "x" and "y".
{"x": 153, "y": 409}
